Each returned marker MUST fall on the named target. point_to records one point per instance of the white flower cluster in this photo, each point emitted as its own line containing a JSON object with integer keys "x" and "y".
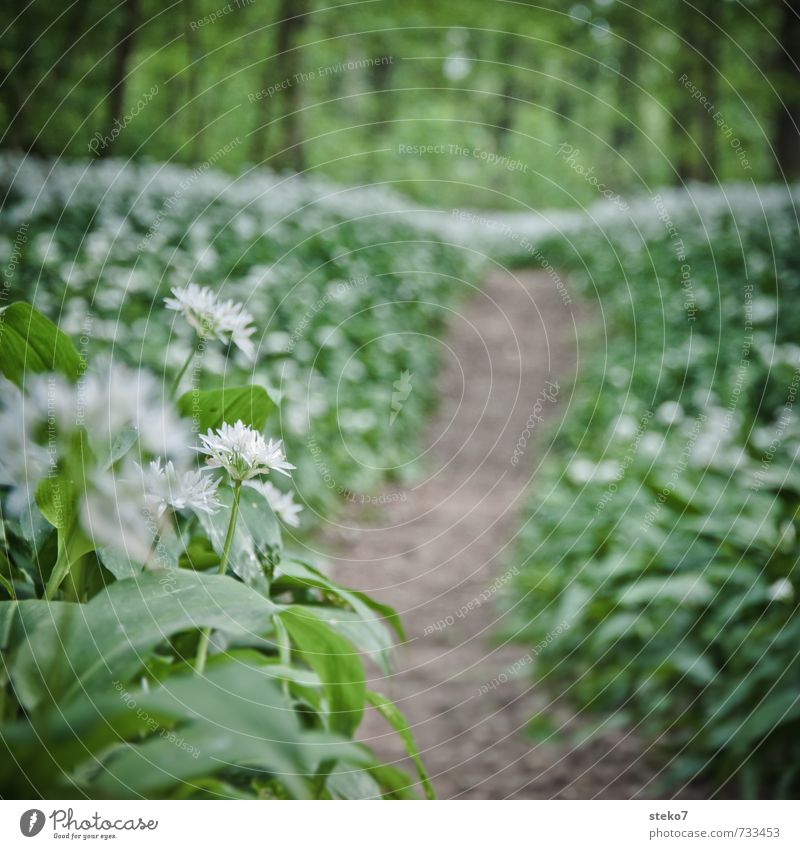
{"x": 127, "y": 486}
{"x": 208, "y": 316}
{"x": 166, "y": 487}
{"x": 243, "y": 452}
{"x": 107, "y": 399}
{"x": 281, "y": 503}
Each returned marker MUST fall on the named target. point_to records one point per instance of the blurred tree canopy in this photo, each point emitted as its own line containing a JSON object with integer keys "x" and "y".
{"x": 513, "y": 97}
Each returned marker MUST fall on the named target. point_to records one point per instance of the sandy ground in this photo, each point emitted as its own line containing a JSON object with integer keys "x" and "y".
{"x": 441, "y": 549}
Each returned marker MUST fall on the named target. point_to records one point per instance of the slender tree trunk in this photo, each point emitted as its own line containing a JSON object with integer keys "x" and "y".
{"x": 509, "y": 47}
{"x": 120, "y": 61}
{"x": 685, "y": 156}
{"x": 291, "y": 21}
{"x": 193, "y": 68}
{"x": 786, "y": 133}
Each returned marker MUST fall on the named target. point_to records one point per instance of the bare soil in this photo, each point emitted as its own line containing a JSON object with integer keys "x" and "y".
{"x": 442, "y": 548}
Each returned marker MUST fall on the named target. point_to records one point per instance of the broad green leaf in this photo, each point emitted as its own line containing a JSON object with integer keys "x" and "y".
{"x": 189, "y": 727}
{"x": 307, "y": 575}
{"x": 55, "y": 498}
{"x": 117, "y": 563}
{"x": 233, "y": 715}
{"x": 31, "y": 343}
{"x": 85, "y": 646}
{"x": 19, "y": 619}
{"x": 336, "y": 663}
{"x": 348, "y": 783}
{"x": 369, "y": 636}
{"x": 209, "y": 408}
{"x": 395, "y": 718}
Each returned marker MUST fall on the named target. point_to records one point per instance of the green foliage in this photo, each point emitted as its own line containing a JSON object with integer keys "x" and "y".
{"x": 103, "y": 692}
{"x": 344, "y": 89}
{"x": 209, "y": 408}
{"x": 30, "y": 344}
{"x": 662, "y": 551}
{"x": 348, "y": 289}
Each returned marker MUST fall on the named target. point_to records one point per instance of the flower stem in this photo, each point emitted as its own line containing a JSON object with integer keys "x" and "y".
{"x": 177, "y": 382}
{"x": 60, "y": 569}
{"x": 205, "y": 634}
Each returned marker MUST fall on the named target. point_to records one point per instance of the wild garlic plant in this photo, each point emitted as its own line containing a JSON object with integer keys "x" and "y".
{"x": 209, "y": 317}
{"x": 127, "y": 543}
{"x": 244, "y": 456}
{"x": 112, "y": 464}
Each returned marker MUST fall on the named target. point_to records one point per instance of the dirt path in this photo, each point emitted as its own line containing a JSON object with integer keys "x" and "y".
{"x": 440, "y": 550}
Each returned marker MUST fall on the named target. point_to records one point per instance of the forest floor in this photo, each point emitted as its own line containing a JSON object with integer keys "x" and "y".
{"x": 435, "y": 551}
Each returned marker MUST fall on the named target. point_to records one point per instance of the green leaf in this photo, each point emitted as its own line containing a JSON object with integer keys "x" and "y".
{"x": 307, "y": 575}
{"x": 117, "y": 563}
{"x": 369, "y": 636}
{"x": 55, "y": 498}
{"x": 257, "y": 531}
{"x": 209, "y": 408}
{"x": 86, "y": 646}
{"x": 31, "y": 343}
{"x": 122, "y": 443}
{"x": 231, "y": 715}
{"x": 336, "y": 663}
{"x": 395, "y": 718}
{"x": 130, "y": 741}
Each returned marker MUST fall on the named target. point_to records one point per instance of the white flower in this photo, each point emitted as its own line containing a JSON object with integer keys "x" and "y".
{"x": 243, "y": 452}
{"x": 625, "y": 427}
{"x": 113, "y": 513}
{"x": 165, "y": 487}
{"x": 108, "y": 398}
{"x": 225, "y": 320}
{"x": 669, "y": 413}
{"x": 581, "y": 471}
{"x": 781, "y": 590}
{"x": 22, "y": 462}
{"x": 282, "y": 503}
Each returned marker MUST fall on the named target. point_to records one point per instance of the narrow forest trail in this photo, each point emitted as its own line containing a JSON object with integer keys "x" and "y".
{"x": 439, "y": 551}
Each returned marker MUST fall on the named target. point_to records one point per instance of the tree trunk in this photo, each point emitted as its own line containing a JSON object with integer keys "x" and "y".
{"x": 786, "y": 133}
{"x": 120, "y": 60}
{"x": 509, "y": 48}
{"x": 291, "y": 21}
